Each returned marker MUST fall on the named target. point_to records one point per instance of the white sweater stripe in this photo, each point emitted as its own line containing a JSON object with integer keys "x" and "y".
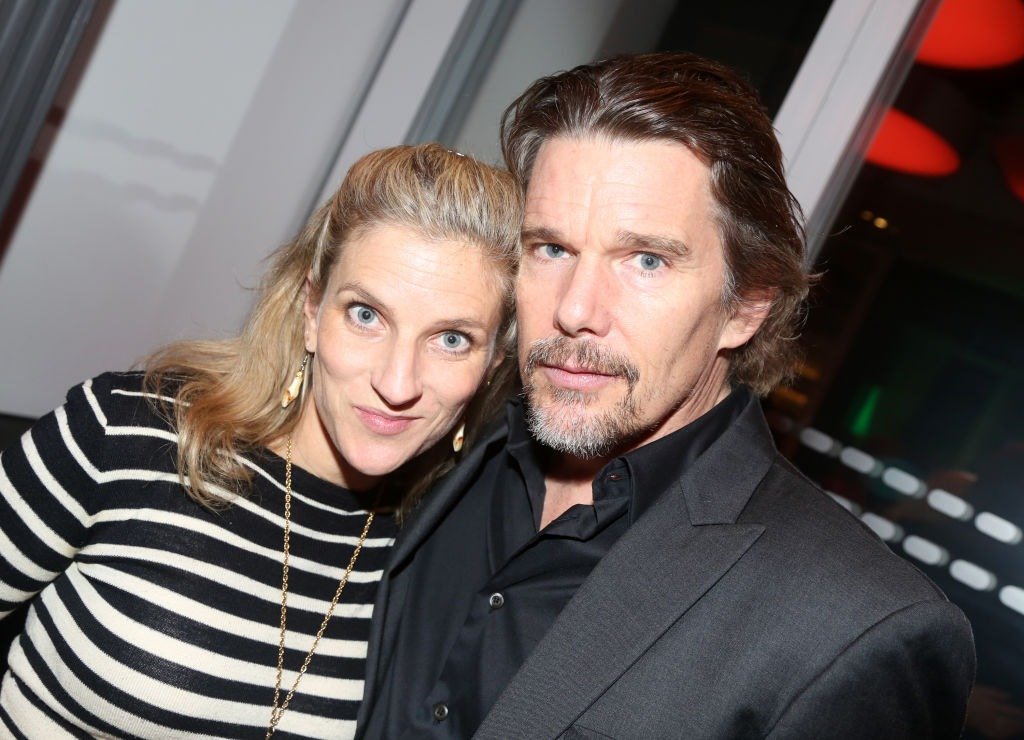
{"x": 190, "y": 524}
{"x": 196, "y": 658}
{"x": 52, "y": 485}
{"x": 224, "y": 577}
{"x": 76, "y": 452}
{"x": 27, "y": 514}
{"x": 216, "y": 618}
{"x": 26, "y": 716}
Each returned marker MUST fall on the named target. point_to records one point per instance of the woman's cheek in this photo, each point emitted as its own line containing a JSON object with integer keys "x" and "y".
{"x": 453, "y": 390}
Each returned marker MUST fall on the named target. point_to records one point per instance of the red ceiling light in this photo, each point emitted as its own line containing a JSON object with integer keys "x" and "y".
{"x": 906, "y": 145}
{"x": 975, "y": 34}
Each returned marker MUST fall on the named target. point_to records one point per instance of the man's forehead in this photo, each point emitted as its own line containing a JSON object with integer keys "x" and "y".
{"x": 589, "y": 167}
{"x": 628, "y": 185}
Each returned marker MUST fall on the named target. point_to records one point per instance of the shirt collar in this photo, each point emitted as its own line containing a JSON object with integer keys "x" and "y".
{"x": 651, "y": 468}
{"x": 657, "y": 465}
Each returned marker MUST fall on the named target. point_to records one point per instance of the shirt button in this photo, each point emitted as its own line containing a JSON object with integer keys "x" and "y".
{"x": 496, "y": 601}
{"x": 440, "y": 711}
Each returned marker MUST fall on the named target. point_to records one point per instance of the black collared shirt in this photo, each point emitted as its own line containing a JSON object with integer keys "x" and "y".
{"x": 487, "y": 585}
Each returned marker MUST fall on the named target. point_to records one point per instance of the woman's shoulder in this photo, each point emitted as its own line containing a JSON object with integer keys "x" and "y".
{"x": 107, "y": 424}
{"x": 120, "y": 401}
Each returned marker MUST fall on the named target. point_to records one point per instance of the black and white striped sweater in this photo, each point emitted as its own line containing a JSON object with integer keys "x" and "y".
{"x": 153, "y": 617}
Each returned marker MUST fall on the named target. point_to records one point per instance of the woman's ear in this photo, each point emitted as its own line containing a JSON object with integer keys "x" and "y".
{"x": 311, "y": 314}
{"x": 747, "y": 316}
{"x": 495, "y": 363}
{"x": 504, "y": 347}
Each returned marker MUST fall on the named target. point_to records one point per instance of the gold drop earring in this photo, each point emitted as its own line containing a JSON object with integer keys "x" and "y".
{"x": 293, "y": 389}
{"x": 460, "y": 437}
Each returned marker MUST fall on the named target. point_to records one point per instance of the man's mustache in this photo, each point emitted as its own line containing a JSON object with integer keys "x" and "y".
{"x": 586, "y": 354}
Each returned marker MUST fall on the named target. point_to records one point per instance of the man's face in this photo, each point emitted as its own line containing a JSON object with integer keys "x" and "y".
{"x": 622, "y": 324}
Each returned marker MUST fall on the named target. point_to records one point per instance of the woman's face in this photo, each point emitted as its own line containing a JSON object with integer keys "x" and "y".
{"x": 402, "y": 337}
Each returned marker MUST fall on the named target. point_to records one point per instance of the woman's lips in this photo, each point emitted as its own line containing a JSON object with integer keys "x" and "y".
{"x": 383, "y": 423}
{"x": 574, "y": 378}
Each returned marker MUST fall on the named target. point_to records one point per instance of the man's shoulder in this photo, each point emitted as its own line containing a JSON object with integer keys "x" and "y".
{"x": 816, "y": 547}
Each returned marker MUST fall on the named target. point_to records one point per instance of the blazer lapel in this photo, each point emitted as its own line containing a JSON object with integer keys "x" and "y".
{"x": 419, "y": 524}
{"x": 441, "y": 499}
{"x": 663, "y": 564}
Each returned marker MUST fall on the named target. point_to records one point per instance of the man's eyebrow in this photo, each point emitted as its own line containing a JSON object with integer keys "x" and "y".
{"x": 627, "y": 239}
{"x": 652, "y": 243}
{"x": 541, "y": 234}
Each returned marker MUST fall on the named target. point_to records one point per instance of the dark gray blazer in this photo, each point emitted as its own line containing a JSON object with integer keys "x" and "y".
{"x": 745, "y": 603}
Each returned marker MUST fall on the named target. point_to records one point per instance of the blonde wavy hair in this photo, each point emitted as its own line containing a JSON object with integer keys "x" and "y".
{"x": 226, "y": 394}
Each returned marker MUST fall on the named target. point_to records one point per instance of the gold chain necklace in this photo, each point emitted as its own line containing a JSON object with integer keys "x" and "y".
{"x": 277, "y": 710}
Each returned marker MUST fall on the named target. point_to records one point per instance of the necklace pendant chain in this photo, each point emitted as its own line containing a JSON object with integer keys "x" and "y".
{"x": 278, "y": 708}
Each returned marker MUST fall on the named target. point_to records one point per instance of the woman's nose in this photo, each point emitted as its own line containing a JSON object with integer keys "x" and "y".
{"x": 396, "y": 379}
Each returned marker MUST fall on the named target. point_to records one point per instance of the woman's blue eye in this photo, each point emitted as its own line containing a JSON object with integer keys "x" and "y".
{"x": 552, "y": 251}
{"x": 362, "y": 315}
{"x": 454, "y": 341}
{"x": 649, "y": 262}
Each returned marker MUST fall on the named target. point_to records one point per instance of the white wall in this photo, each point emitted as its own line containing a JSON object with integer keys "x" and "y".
{"x": 546, "y": 37}
{"x": 197, "y": 141}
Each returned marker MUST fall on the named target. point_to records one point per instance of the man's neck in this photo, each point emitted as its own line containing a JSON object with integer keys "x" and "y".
{"x": 568, "y": 481}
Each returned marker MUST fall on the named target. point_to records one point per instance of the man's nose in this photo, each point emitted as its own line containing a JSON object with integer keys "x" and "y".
{"x": 583, "y": 306}
{"x": 396, "y": 378}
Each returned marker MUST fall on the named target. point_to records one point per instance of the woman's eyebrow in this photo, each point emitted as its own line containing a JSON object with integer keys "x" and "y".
{"x": 362, "y": 292}
{"x": 461, "y": 323}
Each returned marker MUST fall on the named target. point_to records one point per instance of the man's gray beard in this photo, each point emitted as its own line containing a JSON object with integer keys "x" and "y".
{"x": 563, "y": 424}
{"x": 566, "y": 427}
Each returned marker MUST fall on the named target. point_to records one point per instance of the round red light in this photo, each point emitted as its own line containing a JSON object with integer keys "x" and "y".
{"x": 975, "y": 34}
{"x": 906, "y": 145}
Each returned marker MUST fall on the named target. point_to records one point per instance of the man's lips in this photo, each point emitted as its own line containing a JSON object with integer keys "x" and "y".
{"x": 574, "y": 377}
{"x": 383, "y": 423}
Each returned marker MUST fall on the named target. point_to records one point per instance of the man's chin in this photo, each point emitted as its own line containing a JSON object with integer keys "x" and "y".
{"x": 569, "y": 414}
{"x": 557, "y": 400}
{"x": 572, "y": 430}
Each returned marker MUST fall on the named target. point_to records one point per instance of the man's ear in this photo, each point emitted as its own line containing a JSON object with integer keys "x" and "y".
{"x": 747, "y": 316}
{"x": 311, "y": 314}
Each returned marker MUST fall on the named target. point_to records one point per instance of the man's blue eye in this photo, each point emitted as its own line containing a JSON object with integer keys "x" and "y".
{"x": 553, "y": 251}
{"x": 649, "y": 262}
{"x": 362, "y": 315}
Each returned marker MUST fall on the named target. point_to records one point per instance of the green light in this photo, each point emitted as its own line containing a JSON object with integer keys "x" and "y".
{"x": 866, "y": 413}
